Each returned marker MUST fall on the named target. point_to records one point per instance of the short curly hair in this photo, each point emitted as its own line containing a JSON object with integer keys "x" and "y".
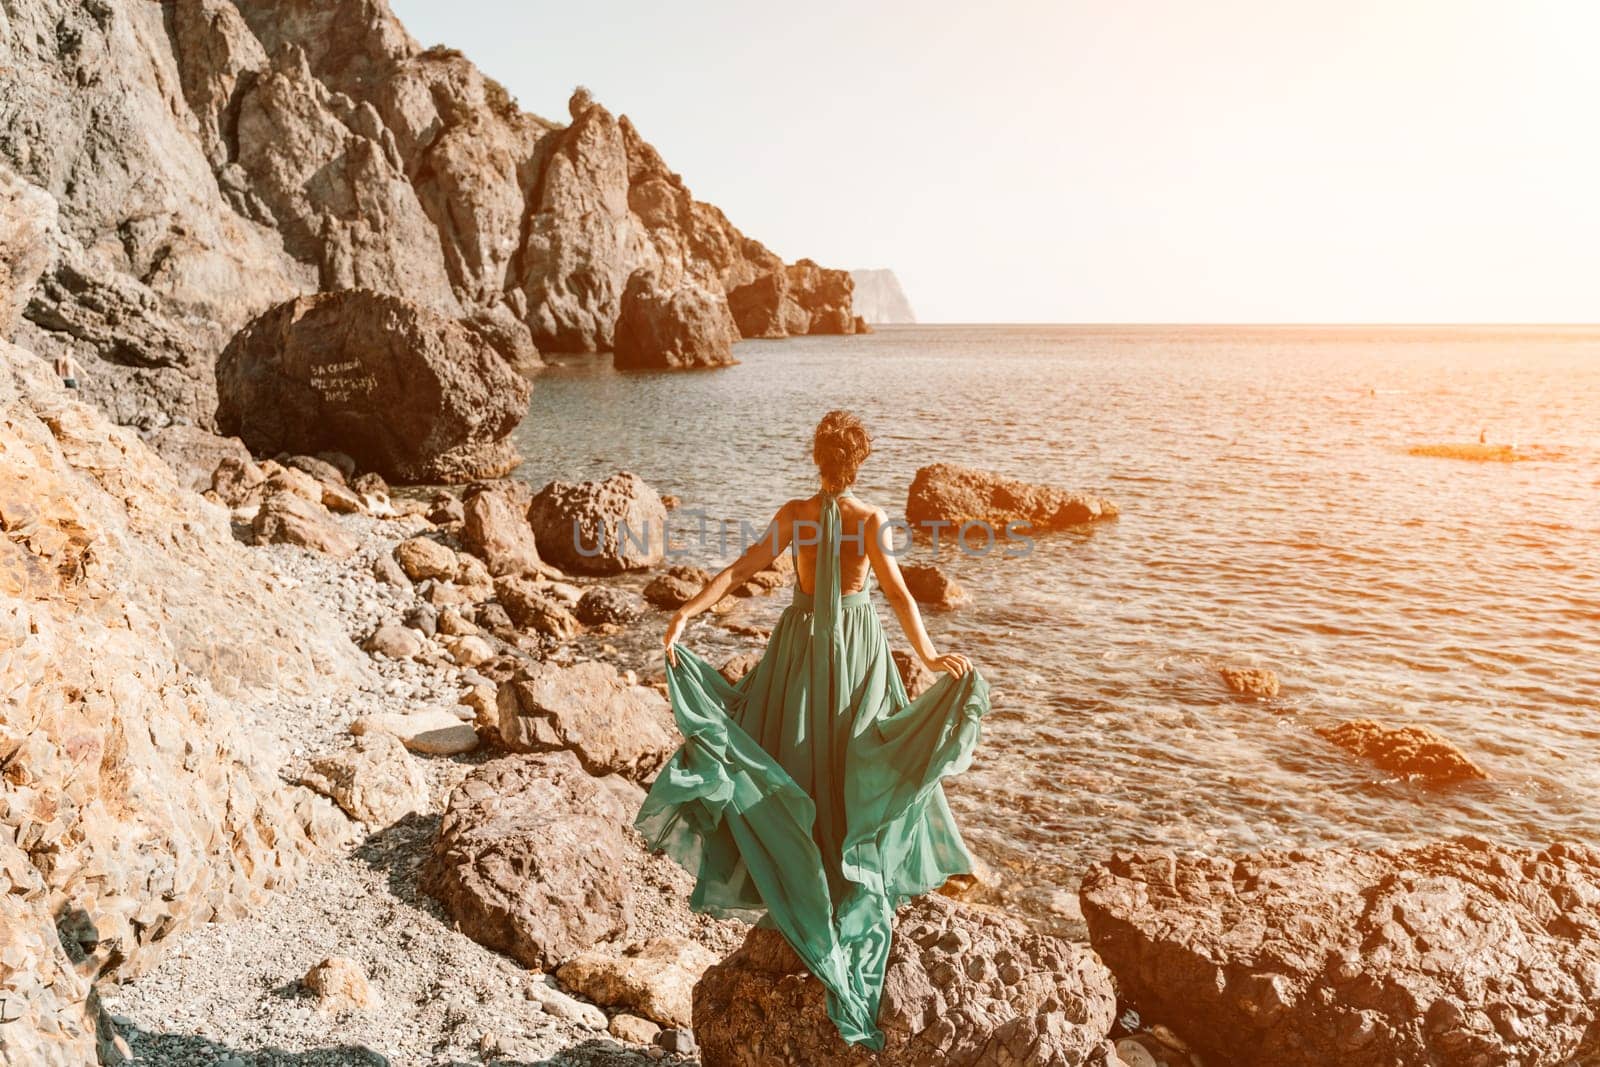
{"x": 840, "y": 445}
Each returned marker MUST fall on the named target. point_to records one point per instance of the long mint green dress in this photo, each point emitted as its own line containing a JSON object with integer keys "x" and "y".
{"x": 810, "y": 792}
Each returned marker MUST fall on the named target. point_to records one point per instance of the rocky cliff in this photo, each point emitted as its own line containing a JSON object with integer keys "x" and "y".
{"x": 879, "y": 298}
{"x": 212, "y": 158}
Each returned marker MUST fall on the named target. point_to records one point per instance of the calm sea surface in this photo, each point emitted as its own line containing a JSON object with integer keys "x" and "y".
{"x": 1270, "y": 516}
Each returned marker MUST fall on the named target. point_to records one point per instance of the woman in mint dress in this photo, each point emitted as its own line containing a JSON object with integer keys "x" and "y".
{"x": 809, "y": 793}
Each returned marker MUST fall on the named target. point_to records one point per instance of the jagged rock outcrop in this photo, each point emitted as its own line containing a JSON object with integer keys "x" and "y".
{"x": 127, "y": 611}
{"x": 405, "y": 392}
{"x": 213, "y": 158}
{"x": 530, "y": 858}
{"x": 802, "y": 298}
{"x": 1460, "y": 952}
{"x": 949, "y": 495}
{"x": 964, "y": 987}
{"x": 878, "y": 298}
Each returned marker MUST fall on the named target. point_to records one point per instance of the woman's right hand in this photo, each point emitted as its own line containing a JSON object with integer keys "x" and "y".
{"x": 954, "y": 663}
{"x": 674, "y": 631}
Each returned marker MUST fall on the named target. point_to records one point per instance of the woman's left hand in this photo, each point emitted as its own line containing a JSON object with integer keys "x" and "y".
{"x": 674, "y": 631}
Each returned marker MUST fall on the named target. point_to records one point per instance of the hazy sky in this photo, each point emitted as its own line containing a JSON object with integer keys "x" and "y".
{"x": 1118, "y": 160}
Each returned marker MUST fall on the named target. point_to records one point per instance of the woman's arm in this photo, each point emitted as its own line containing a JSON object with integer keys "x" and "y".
{"x": 887, "y": 569}
{"x": 758, "y": 557}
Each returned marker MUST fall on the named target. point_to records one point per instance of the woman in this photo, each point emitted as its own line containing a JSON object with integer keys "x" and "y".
{"x": 810, "y": 791}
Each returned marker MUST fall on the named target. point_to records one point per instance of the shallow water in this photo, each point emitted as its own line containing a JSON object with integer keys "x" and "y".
{"x": 1271, "y": 515}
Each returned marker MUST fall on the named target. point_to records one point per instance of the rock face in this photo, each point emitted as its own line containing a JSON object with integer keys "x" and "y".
{"x": 600, "y": 527}
{"x": 405, "y": 391}
{"x": 947, "y": 493}
{"x": 195, "y": 454}
{"x": 688, "y": 326}
{"x": 964, "y": 987}
{"x": 530, "y": 859}
{"x": 1460, "y": 953}
{"x": 610, "y": 724}
{"x": 127, "y": 614}
{"x": 214, "y": 158}
{"x": 1413, "y": 751}
{"x": 879, "y": 299}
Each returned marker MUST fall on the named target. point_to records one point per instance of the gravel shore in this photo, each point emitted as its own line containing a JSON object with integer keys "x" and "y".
{"x": 231, "y": 993}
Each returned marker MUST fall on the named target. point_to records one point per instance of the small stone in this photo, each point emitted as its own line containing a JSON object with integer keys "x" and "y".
{"x": 341, "y": 985}
{"x": 633, "y": 1029}
{"x": 435, "y": 732}
{"x": 395, "y": 641}
{"x": 1255, "y": 682}
{"x": 423, "y": 557}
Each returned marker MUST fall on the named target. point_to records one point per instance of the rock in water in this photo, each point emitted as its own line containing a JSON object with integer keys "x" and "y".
{"x": 914, "y": 675}
{"x": 1460, "y": 952}
{"x": 949, "y": 494}
{"x": 879, "y": 299}
{"x": 1258, "y": 682}
{"x": 1413, "y": 751}
{"x": 601, "y": 604}
{"x": 600, "y": 527}
{"x": 530, "y": 859}
{"x": 964, "y": 987}
{"x": 612, "y": 725}
{"x": 134, "y": 802}
{"x": 406, "y": 391}
{"x": 932, "y": 587}
{"x": 686, "y": 326}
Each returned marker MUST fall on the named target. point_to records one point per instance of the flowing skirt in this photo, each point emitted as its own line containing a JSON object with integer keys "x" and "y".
{"x": 808, "y": 796}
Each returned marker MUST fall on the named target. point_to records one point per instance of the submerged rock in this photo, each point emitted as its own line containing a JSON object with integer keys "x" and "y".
{"x": 1461, "y": 952}
{"x": 407, "y": 392}
{"x": 676, "y": 585}
{"x": 945, "y": 493}
{"x": 601, "y": 604}
{"x": 914, "y": 675}
{"x": 600, "y": 527}
{"x": 530, "y": 859}
{"x": 1414, "y": 751}
{"x": 964, "y": 987}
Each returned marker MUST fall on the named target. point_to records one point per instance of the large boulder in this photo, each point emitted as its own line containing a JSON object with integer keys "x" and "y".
{"x": 964, "y": 987}
{"x": 685, "y": 326}
{"x": 948, "y": 495}
{"x": 612, "y": 725}
{"x": 495, "y": 529}
{"x": 1460, "y": 952}
{"x": 600, "y": 527}
{"x": 194, "y": 454}
{"x": 405, "y": 391}
{"x": 135, "y": 804}
{"x": 530, "y": 859}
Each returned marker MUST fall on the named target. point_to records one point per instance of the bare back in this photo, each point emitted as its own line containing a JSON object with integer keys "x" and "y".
{"x": 855, "y": 520}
